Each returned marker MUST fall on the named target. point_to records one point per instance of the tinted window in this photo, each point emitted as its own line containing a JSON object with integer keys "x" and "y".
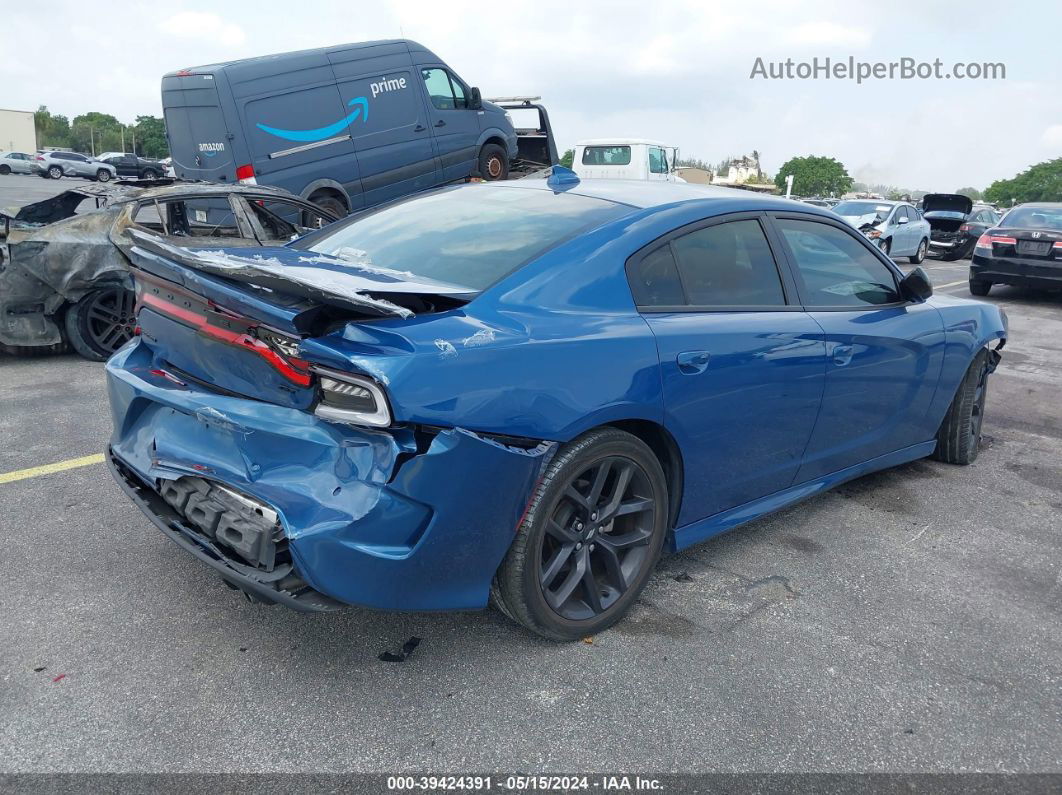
{"x": 657, "y": 161}
{"x": 607, "y": 156}
{"x": 728, "y": 265}
{"x": 437, "y": 82}
{"x": 655, "y": 281}
{"x": 1036, "y": 217}
{"x": 469, "y": 236}
{"x": 837, "y": 269}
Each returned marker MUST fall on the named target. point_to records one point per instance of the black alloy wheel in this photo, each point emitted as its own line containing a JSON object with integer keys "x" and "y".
{"x": 101, "y": 322}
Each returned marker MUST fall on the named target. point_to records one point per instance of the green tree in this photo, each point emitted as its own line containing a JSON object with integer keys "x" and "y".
{"x": 1039, "y": 183}
{"x": 52, "y": 130}
{"x": 150, "y": 132}
{"x": 96, "y": 132}
{"x": 973, "y": 193}
{"x": 567, "y": 158}
{"x": 814, "y": 176}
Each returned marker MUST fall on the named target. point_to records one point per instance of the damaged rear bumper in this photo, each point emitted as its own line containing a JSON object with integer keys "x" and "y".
{"x": 398, "y": 519}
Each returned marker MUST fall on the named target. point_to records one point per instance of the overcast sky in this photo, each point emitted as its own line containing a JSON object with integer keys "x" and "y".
{"x": 676, "y": 71}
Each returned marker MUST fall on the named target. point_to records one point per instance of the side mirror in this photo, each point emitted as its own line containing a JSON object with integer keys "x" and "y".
{"x": 915, "y": 286}
{"x": 902, "y": 219}
{"x": 475, "y": 99}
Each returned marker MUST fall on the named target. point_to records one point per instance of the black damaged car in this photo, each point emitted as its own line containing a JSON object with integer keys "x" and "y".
{"x": 1024, "y": 250}
{"x": 64, "y": 277}
{"x": 955, "y": 223}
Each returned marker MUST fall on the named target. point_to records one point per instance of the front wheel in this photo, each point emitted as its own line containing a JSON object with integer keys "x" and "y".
{"x": 959, "y": 437}
{"x": 885, "y": 246}
{"x": 149, "y": 174}
{"x": 979, "y": 287}
{"x": 103, "y": 175}
{"x": 493, "y": 164}
{"x": 101, "y": 322}
{"x": 55, "y": 172}
{"x": 589, "y": 539}
{"x": 920, "y": 254}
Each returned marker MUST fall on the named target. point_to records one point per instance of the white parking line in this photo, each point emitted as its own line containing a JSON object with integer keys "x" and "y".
{"x": 950, "y": 284}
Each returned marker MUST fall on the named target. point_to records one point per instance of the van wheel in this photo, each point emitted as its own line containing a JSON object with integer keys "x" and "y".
{"x": 101, "y": 322}
{"x": 493, "y": 164}
{"x": 331, "y": 203}
{"x": 589, "y": 539}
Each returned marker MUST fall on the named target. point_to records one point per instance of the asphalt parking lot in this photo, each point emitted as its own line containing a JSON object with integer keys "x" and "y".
{"x": 907, "y": 621}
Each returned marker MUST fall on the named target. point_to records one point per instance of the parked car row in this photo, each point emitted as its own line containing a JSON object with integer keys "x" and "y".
{"x": 102, "y": 168}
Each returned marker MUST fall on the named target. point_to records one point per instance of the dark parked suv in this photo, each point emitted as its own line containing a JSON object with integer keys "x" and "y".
{"x": 129, "y": 165}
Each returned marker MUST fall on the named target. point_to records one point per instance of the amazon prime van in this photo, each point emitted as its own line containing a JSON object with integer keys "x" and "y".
{"x": 346, "y": 127}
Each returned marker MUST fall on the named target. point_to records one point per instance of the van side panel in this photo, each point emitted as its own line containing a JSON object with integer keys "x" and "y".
{"x": 393, "y": 141}
{"x": 297, "y": 125}
{"x": 205, "y": 140}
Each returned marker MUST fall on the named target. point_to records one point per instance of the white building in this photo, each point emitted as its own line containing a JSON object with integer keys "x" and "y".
{"x": 17, "y": 133}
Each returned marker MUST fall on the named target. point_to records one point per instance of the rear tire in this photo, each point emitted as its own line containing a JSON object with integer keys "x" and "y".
{"x": 331, "y": 203}
{"x": 101, "y": 322}
{"x": 959, "y": 437}
{"x": 149, "y": 174}
{"x": 978, "y": 287}
{"x": 589, "y": 540}
{"x": 493, "y": 163}
{"x": 5, "y": 169}
{"x": 885, "y": 246}
{"x": 920, "y": 255}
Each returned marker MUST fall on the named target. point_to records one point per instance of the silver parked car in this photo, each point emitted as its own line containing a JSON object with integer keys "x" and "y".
{"x": 17, "y": 163}
{"x": 53, "y": 165}
{"x": 897, "y": 228}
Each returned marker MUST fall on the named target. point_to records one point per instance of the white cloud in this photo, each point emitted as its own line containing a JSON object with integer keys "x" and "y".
{"x": 827, "y": 33}
{"x": 205, "y": 26}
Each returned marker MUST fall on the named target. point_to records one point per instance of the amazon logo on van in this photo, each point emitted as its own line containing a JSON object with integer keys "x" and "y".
{"x": 211, "y": 149}
{"x": 329, "y": 130}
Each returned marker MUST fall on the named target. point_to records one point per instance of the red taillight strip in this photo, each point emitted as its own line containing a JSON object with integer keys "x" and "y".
{"x": 986, "y": 240}
{"x": 286, "y": 367}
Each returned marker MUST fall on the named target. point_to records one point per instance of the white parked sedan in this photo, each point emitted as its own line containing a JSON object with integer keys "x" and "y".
{"x": 897, "y": 228}
{"x": 17, "y": 163}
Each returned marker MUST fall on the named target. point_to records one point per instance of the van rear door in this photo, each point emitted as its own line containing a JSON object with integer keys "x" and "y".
{"x": 195, "y": 126}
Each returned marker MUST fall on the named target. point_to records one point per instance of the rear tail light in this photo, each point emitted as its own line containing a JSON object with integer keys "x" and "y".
{"x": 40, "y": 157}
{"x": 986, "y": 240}
{"x": 245, "y": 174}
{"x": 964, "y": 228}
{"x": 1058, "y": 244}
{"x": 353, "y": 399}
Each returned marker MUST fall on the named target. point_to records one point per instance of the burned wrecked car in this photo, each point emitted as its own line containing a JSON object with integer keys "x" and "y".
{"x": 521, "y": 393}
{"x": 955, "y": 223}
{"x": 64, "y": 263}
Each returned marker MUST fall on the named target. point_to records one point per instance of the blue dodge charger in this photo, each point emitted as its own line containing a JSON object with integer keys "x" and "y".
{"x": 523, "y": 393}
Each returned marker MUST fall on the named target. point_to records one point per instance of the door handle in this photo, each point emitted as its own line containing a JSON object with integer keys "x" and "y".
{"x": 419, "y": 128}
{"x": 842, "y": 355}
{"x": 440, "y": 123}
{"x": 693, "y": 362}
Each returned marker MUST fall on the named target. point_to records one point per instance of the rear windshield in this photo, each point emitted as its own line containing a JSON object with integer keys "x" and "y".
{"x": 607, "y": 156}
{"x": 862, "y": 208}
{"x": 1034, "y": 218}
{"x": 470, "y": 236}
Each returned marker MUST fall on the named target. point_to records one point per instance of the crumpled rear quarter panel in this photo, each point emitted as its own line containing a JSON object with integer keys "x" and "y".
{"x": 371, "y": 520}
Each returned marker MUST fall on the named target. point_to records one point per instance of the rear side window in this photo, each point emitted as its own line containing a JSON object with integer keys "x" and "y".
{"x": 724, "y": 265}
{"x": 607, "y": 156}
{"x": 836, "y": 269}
{"x": 201, "y": 217}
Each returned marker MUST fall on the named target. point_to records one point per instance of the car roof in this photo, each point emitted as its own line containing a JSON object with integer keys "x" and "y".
{"x": 644, "y": 194}
{"x": 1039, "y": 204}
{"x": 618, "y": 142}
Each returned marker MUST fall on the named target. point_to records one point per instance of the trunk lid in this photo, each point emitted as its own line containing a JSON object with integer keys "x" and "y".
{"x": 235, "y": 320}
{"x": 946, "y": 202}
{"x": 199, "y": 138}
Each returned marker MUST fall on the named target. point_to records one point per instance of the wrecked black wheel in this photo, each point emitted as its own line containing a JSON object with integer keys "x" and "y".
{"x": 55, "y": 172}
{"x": 589, "y": 540}
{"x": 493, "y": 164}
{"x": 978, "y": 287}
{"x": 959, "y": 437}
{"x": 101, "y": 322}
